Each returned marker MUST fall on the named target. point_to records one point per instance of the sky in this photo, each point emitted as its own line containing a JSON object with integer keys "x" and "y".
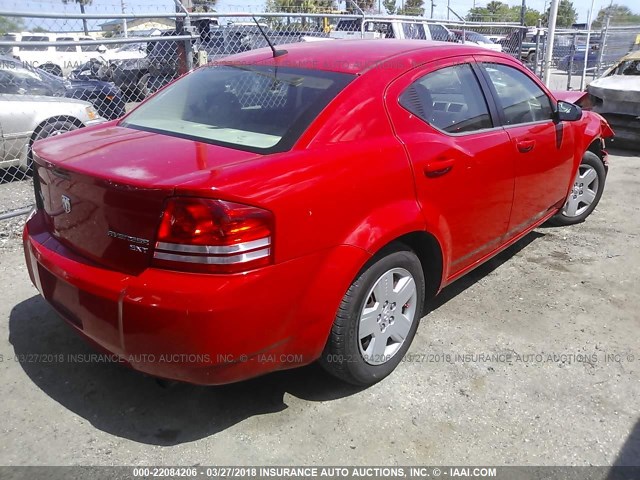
{"x": 440, "y": 11}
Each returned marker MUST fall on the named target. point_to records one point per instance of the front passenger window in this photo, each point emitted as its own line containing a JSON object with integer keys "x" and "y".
{"x": 520, "y": 99}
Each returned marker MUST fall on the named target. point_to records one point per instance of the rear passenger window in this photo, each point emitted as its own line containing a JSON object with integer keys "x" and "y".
{"x": 449, "y": 99}
{"x": 520, "y": 99}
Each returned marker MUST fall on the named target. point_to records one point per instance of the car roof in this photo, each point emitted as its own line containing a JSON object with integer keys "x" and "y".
{"x": 352, "y": 56}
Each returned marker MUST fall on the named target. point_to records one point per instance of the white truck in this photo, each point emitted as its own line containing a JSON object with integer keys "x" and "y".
{"x": 58, "y": 60}
{"x": 391, "y": 28}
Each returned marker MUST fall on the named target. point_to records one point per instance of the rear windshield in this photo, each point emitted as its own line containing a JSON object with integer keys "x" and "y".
{"x": 258, "y": 109}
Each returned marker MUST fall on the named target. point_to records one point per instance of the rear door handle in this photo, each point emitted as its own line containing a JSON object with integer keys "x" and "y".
{"x": 525, "y": 146}
{"x": 437, "y": 168}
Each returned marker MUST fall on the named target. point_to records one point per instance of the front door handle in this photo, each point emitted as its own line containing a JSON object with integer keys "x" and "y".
{"x": 525, "y": 146}
{"x": 437, "y": 168}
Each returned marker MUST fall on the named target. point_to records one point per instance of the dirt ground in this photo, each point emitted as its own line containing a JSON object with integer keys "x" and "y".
{"x": 533, "y": 359}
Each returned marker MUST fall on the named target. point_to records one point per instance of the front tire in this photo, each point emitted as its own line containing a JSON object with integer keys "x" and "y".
{"x": 377, "y": 318}
{"x": 585, "y": 194}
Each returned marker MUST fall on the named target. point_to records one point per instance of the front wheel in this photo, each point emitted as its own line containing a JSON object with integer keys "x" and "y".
{"x": 377, "y": 319}
{"x": 585, "y": 194}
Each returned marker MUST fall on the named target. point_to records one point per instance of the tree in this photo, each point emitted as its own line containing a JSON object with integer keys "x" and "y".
{"x": 10, "y": 24}
{"x": 204, "y": 5}
{"x": 82, "y": 4}
{"x": 494, "y": 12}
{"x": 364, "y": 5}
{"x": 567, "y": 14}
{"x": 412, "y": 7}
{"x": 620, "y": 14}
{"x": 390, "y": 6}
{"x": 501, "y": 12}
{"x": 301, "y": 6}
{"x": 531, "y": 16}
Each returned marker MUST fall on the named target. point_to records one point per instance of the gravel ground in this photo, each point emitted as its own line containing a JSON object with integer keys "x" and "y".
{"x": 532, "y": 359}
{"x": 13, "y": 196}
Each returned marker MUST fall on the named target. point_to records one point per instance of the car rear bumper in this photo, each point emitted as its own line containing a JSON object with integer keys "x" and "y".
{"x": 197, "y": 328}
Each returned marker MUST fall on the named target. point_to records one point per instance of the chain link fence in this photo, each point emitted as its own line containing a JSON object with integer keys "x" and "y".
{"x": 63, "y": 72}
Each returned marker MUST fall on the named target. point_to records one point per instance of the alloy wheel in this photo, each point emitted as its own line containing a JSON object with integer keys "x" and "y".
{"x": 387, "y": 316}
{"x": 583, "y": 193}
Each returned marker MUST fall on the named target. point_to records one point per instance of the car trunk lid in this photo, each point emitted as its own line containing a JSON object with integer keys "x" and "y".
{"x": 102, "y": 191}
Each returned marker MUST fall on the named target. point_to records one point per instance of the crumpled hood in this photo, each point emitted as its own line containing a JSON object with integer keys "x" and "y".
{"x": 617, "y": 87}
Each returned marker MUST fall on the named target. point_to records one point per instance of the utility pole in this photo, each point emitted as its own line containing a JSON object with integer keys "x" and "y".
{"x": 433, "y": 4}
{"x": 551, "y": 33}
{"x": 123, "y": 7}
{"x": 586, "y": 50}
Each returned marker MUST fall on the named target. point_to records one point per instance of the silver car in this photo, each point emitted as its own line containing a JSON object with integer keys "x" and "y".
{"x": 27, "y": 118}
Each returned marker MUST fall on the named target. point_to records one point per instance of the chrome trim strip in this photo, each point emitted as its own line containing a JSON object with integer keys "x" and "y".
{"x": 17, "y": 135}
{"x": 231, "y": 259}
{"x": 213, "y": 249}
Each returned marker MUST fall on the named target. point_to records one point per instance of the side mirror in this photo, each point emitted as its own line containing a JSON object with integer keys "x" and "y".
{"x": 569, "y": 112}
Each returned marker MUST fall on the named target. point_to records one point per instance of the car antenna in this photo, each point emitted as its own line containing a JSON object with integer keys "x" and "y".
{"x": 276, "y": 53}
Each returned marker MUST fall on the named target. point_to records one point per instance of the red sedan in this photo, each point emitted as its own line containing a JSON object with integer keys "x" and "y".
{"x": 277, "y": 209}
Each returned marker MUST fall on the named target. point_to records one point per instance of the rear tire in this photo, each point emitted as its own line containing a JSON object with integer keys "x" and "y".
{"x": 50, "y": 129}
{"x": 52, "y": 69}
{"x": 377, "y": 318}
{"x": 585, "y": 193}
{"x": 143, "y": 87}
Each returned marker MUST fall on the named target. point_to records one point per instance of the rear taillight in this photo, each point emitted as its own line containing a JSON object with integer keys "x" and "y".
{"x": 204, "y": 235}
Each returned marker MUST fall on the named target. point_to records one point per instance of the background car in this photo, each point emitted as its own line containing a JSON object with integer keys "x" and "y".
{"x": 616, "y": 96}
{"x": 268, "y": 211}
{"x": 475, "y": 38}
{"x": 127, "y": 67}
{"x": 214, "y": 40}
{"x": 575, "y": 61}
{"x": 105, "y": 96}
{"x": 534, "y": 39}
{"x": 58, "y": 60}
{"x": 30, "y": 111}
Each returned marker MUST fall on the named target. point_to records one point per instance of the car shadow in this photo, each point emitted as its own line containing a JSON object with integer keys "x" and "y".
{"x": 129, "y": 404}
{"x": 629, "y": 454}
{"x": 627, "y": 463}
{"x": 460, "y": 285}
{"x": 132, "y": 405}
